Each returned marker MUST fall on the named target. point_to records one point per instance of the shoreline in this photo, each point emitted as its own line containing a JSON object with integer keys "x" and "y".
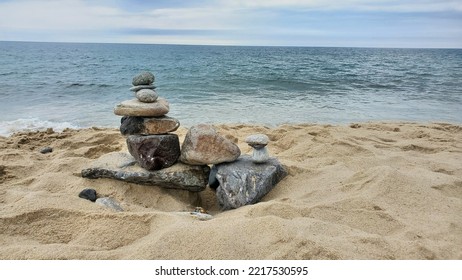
{"x": 62, "y": 127}
{"x": 370, "y": 190}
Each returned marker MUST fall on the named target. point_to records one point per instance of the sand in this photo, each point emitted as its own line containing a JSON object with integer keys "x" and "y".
{"x": 362, "y": 191}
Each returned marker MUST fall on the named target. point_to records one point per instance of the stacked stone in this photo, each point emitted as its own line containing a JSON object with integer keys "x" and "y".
{"x": 147, "y": 127}
{"x": 238, "y": 180}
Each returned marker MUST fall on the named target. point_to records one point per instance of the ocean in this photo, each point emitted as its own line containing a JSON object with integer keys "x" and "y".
{"x": 77, "y": 85}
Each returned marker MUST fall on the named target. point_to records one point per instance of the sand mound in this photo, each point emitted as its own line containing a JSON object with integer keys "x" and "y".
{"x": 364, "y": 191}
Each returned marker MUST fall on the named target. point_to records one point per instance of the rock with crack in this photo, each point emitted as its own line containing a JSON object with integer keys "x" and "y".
{"x": 203, "y": 145}
{"x": 154, "y": 152}
{"x": 244, "y": 182}
{"x": 122, "y": 166}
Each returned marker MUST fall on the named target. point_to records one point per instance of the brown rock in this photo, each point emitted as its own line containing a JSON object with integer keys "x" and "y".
{"x": 148, "y": 126}
{"x": 203, "y": 145}
{"x": 154, "y": 152}
{"x": 135, "y": 108}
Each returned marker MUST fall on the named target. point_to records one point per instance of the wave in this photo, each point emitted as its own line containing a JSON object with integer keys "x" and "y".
{"x": 88, "y": 85}
{"x": 32, "y": 124}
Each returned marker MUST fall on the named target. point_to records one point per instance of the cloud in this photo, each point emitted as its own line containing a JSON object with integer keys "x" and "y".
{"x": 55, "y": 15}
{"x": 356, "y": 5}
{"x": 269, "y": 22}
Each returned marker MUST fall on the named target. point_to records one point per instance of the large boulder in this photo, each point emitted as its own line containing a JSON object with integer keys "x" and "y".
{"x": 122, "y": 166}
{"x": 148, "y": 126}
{"x": 244, "y": 182}
{"x": 203, "y": 145}
{"x": 154, "y": 152}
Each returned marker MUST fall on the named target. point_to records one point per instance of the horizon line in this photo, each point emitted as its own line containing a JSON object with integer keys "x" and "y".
{"x": 230, "y": 45}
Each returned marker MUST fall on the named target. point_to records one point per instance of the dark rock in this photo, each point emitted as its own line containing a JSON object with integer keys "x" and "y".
{"x": 131, "y": 125}
{"x": 213, "y": 181}
{"x": 89, "y": 194}
{"x": 109, "y": 203}
{"x": 154, "y": 152}
{"x": 148, "y": 126}
{"x": 144, "y": 78}
{"x": 203, "y": 145}
{"x": 244, "y": 182}
{"x": 46, "y": 150}
{"x": 122, "y": 166}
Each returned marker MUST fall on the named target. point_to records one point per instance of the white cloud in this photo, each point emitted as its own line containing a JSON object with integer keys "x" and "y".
{"x": 357, "y": 5}
{"x": 55, "y": 15}
{"x": 241, "y": 22}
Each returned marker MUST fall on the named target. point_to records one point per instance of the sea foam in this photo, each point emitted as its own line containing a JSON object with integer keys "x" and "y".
{"x": 32, "y": 124}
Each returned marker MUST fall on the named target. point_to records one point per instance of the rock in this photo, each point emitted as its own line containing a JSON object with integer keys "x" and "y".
{"x": 260, "y": 155}
{"x": 137, "y": 88}
{"x": 144, "y": 78}
{"x": 89, "y": 194}
{"x": 146, "y": 95}
{"x": 201, "y": 216}
{"x": 148, "y": 126}
{"x": 109, "y": 203}
{"x": 46, "y": 150}
{"x": 244, "y": 182}
{"x": 154, "y": 152}
{"x": 135, "y": 108}
{"x": 257, "y": 139}
{"x": 122, "y": 166}
{"x": 258, "y": 142}
{"x": 203, "y": 145}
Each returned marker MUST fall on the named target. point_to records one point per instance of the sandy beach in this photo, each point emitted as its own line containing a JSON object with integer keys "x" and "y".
{"x": 358, "y": 191}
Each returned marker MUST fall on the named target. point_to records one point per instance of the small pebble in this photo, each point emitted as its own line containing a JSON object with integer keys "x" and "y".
{"x": 257, "y": 140}
{"x": 109, "y": 203}
{"x": 146, "y": 95}
{"x": 89, "y": 194}
{"x": 46, "y": 150}
{"x": 260, "y": 155}
{"x": 201, "y": 216}
{"x": 144, "y": 78}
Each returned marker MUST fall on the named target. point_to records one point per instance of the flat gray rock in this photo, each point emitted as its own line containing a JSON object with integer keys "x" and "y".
{"x": 137, "y": 88}
{"x": 244, "y": 182}
{"x": 257, "y": 139}
{"x": 136, "y": 108}
{"x": 122, "y": 166}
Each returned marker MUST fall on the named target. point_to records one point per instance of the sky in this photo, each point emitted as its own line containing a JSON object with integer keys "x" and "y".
{"x": 337, "y": 23}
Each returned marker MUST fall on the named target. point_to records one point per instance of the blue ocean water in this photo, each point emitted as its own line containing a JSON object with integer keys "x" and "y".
{"x": 78, "y": 84}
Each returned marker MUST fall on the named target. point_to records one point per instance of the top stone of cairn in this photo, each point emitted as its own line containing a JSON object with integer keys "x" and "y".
{"x": 259, "y": 140}
{"x": 144, "y": 78}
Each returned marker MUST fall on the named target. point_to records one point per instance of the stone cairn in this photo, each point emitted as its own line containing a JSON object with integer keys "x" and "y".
{"x": 147, "y": 127}
{"x": 155, "y": 156}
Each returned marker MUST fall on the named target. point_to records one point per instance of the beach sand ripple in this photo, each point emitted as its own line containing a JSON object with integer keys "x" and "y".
{"x": 364, "y": 191}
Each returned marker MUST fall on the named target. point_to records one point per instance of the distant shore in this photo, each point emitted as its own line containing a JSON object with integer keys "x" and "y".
{"x": 379, "y": 190}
